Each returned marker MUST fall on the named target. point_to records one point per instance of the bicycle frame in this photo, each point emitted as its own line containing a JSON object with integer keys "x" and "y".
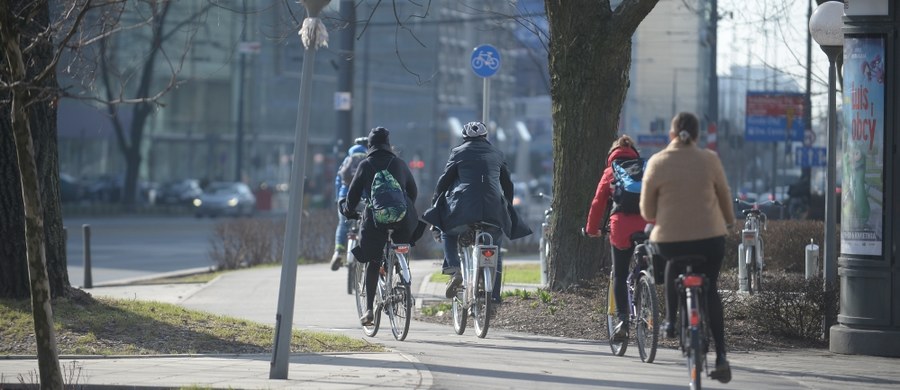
{"x": 479, "y": 258}
{"x": 694, "y": 335}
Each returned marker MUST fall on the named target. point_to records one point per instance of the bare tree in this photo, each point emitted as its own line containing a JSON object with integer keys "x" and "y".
{"x": 590, "y": 58}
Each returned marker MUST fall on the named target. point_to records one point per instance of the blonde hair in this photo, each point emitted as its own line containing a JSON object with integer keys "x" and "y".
{"x": 686, "y": 127}
{"x": 624, "y": 141}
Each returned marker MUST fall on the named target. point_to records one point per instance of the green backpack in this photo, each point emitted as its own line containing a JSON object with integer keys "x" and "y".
{"x": 387, "y": 199}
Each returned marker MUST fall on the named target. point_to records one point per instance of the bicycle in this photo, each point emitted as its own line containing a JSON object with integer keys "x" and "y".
{"x": 393, "y": 290}
{"x": 544, "y": 244}
{"x": 642, "y": 301}
{"x": 352, "y": 241}
{"x": 478, "y": 256}
{"x": 692, "y": 317}
{"x": 750, "y": 251}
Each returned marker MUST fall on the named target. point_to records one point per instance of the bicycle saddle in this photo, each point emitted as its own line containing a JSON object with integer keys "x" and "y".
{"x": 639, "y": 237}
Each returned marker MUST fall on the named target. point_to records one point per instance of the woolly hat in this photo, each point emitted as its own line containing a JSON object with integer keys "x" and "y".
{"x": 378, "y": 138}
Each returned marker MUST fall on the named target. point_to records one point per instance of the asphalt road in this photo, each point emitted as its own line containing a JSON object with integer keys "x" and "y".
{"x": 132, "y": 247}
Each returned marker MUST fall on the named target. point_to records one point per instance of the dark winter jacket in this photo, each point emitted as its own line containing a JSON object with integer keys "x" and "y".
{"x": 405, "y": 231}
{"x": 475, "y": 187}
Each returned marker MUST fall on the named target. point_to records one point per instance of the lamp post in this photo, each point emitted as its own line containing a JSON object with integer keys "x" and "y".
{"x": 825, "y": 25}
{"x": 313, "y": 35}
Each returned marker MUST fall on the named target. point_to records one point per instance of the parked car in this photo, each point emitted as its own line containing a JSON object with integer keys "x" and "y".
{"x": 179, "y": 192}
{"x": 225, "y": 198}
{"x": 70, "y": 188}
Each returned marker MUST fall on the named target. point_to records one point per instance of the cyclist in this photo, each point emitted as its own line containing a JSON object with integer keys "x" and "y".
{"x": 345, "y": 173}
{"x": 475, "y": 187}
{"x": 622, "y": 224}
{"x": 380, "y": 156}
{"x": 685, "y": 192}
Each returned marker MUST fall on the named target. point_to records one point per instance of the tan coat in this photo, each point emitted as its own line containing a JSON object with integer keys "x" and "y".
{"x": 686, "y": 193}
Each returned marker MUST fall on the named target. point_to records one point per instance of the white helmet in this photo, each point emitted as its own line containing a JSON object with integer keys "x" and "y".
{"x": 474, "y": 129}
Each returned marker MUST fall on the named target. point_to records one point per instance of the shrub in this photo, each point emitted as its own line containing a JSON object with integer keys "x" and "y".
{"x": 785, "y": 242}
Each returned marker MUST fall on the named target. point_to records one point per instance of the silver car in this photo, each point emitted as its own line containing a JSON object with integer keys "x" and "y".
{"x": 225, "y": 198}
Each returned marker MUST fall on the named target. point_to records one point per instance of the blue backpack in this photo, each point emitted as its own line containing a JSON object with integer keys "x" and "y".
{"x": 627, "y": 176}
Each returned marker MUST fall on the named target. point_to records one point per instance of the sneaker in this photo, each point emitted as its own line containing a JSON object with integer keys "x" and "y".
{"x": 336, "y": 261}
{"x": 722, "y": 373}
{"x": 621, "y": 332}
{"x": 453, "y": 285}
{"x": 367, "y": 318}
{"x": 669, "y": 330}
{"x": 450, "y": 270}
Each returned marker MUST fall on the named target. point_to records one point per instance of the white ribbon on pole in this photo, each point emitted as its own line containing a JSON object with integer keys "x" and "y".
{"x": 313, "y": 28}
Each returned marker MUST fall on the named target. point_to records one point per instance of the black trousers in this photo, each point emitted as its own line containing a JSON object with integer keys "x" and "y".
{"x": 713, "y": 249}
{"x": 621, "y": 260}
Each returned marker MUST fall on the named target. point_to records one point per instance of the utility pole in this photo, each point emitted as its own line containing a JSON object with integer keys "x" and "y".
{"x": 713, "y": 114}
{"x": 239, "y": 136}
{"x": 345, "y": 73}
{"x": 806, "y": 172}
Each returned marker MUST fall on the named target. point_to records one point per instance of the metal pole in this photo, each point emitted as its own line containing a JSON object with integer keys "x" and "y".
{"x": 88, "y": 280}
{"x": 285, "y": 315}
{"x": 239, "y": 136}
{"x": 486, "y": 102}
{"x": 345, "y": 71}
{"x": 830, "y": 263}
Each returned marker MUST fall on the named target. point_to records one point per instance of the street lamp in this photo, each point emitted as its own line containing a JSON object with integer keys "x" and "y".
{"x": 313, "y": 35}
{"x": 826, "y": 25}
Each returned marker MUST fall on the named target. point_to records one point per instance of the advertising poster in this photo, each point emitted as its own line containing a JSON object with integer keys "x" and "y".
{"x": 862, "y": 181}
{"x": 774, "y": 116}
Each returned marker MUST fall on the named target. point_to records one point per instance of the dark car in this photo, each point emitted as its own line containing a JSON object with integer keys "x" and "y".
{"x": 179, "y": 192}
{"x": 70, "y": 189}
{"x": 225, "y": 198}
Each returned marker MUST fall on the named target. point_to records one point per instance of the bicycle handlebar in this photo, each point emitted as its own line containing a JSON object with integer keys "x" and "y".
{"x": 757, "y": 204}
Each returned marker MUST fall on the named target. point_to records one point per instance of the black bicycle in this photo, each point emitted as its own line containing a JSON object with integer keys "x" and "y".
{"x": 693, "y": 320}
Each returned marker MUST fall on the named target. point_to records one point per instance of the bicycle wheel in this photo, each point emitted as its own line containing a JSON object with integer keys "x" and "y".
{"x": 351, "y": 268}
{"x": 647, "y": 322}
{"x": 695, "y": 358}
{"x": 750, "y": 259}
{"x": 482, "y": 306}
{"x": 360, "y": 289}
{"x": 756, "y": 276}
{"x": 460, "y": 314}
{"x": 399, "y": 302}
{"x": 618, "y": 347}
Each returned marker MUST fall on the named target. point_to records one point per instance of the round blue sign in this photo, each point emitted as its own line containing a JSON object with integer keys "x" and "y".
{"x": 485, "y": 60}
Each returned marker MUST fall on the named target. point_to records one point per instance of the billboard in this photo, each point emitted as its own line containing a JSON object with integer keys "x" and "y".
{"x": 774, "y": 116}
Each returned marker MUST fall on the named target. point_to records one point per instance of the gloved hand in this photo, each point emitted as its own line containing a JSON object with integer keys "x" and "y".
{"x": 347, "y": 213}
{"x": 436, "y": 234}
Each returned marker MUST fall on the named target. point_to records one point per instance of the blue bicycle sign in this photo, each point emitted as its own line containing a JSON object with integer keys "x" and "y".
{"x": 485, "y": 60}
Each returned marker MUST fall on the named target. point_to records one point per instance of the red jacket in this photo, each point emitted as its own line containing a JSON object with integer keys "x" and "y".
{"x": 621, "y": 225}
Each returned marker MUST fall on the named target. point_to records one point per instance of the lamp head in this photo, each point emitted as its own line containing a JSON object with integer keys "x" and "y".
{"x": 826, "y": 24}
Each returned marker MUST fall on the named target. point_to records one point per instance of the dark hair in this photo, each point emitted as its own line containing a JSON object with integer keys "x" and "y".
{"x": 686, "y": 127}
{"x": 623, "y": 141}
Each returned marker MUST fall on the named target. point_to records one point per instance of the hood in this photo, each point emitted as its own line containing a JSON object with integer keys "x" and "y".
{"x": 356, "y": 149}
{"x": 621, "y": 153}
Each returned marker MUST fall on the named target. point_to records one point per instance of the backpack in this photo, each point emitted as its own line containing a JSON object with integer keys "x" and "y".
{"x": 627, "y": 176}
{"x": 348, "y": 167}
{"x": 387, "y": 199}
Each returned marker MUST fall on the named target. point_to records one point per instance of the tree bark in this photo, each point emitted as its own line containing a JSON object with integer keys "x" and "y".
{"x": 44, "y": 331}
{"x": 42, "y": 118}
{"x": 590, "y": 58}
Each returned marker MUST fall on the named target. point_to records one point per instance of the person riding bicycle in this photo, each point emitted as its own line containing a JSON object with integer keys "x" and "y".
{"x": 345, "y": 173}
{"x": 622, "y": 224}
{"x": 372, "y": 237}
{"x": 475, "y": 187}
{"x": 685, "y": 193}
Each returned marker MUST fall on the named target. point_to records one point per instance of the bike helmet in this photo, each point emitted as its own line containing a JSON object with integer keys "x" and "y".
{"x": 474, "y": 129}
{"x": 362, "y": 141}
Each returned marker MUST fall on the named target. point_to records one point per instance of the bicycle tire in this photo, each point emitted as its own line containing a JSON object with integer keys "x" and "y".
{"x": 371, "y": 330}
{"x": 750, "y": 259}
{"x": 351, "y": 268}
{"x": 647, "y": 322}
{"x": 617, "y": 348}
{"x": 695, "y": 360}
{"x": 757, "y": 274}
{"x": 400, "y": 302}
{"x": 460, "y": 314}
{"x": 481, "y": 311}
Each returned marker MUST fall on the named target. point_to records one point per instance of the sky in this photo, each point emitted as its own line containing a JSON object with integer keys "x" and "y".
{"x": 772, "y": 33}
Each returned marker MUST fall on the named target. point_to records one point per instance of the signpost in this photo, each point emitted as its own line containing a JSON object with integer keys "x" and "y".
{"x": 774, "y": 116}
{"x": 485, "y": 63}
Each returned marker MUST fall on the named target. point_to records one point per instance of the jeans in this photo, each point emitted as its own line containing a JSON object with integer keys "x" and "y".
{"x": 451, "y": 256}
{"x": 340, "y": 234}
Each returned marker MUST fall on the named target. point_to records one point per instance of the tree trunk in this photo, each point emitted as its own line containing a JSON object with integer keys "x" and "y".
{"x": 42, "y": 118}
{"x": 44, "y": 331}
{"x": 590, "y": 57}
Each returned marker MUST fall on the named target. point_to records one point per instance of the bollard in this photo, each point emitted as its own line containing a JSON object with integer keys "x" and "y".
{"x": 743, "y": 279}
{"x": 88, "y": 282}
{"x": 812, "y": 259}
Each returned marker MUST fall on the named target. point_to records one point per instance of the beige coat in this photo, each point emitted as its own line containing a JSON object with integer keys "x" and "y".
{"x": 685, "y": 192}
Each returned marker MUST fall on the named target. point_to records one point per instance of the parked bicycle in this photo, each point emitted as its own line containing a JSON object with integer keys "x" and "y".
{"x": 751, "y": 248}
{"x": 544, "y": 243}
{"x": 393, "y": 293}
{"x": 642, "y": 301}
{"x": 479, "y": 263}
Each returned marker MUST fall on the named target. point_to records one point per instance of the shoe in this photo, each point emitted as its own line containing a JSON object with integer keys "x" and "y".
{"x": 722, "y": 373}
{"x": 453, "y": 285}
{"x": 669, "y": 330}
{"x": 620, "y": 333}
{"x": 367, "y": 318}
{"x": 450, "y": 270}
{"x": 336, "y": 261}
